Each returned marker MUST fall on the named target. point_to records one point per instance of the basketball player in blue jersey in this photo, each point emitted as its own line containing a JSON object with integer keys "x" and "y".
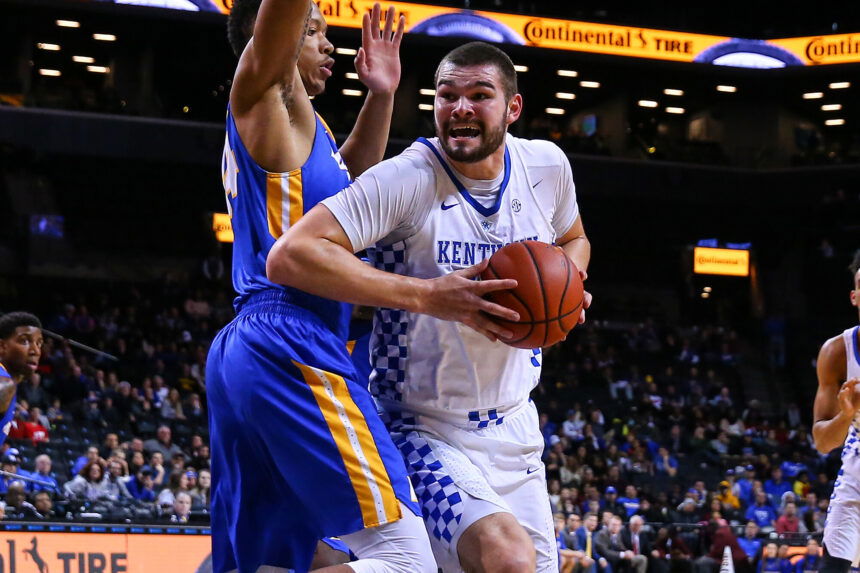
{"x": 298, "y": 450}
{"x": 20, "y": 349}
{"x": 837, "y": 423}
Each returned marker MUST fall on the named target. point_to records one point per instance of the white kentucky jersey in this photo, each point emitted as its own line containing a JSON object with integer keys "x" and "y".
{"x": 420, "y": 218}
{"x": 851, "y": 449}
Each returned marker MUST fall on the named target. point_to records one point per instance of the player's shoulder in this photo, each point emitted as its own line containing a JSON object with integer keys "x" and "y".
{"x": 831, "y": 357}
{"x": 537, "y": 152}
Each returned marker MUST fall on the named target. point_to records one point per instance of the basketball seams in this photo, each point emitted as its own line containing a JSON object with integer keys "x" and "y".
{"x": 531, "y": 323}
{"x": 564, "y": 291}
{"x": 542, "y": 289}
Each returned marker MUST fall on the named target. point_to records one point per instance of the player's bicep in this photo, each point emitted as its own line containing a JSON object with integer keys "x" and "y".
{"x": 7, "y": 392}
{"x": 830, "y": 369}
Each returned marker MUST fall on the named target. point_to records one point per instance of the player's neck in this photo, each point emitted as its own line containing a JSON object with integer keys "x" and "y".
{"x": 485, "y": 169}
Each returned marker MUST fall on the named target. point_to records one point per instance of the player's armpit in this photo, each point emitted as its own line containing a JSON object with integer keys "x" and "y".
{"x": 830, "y": 423}
{"x": 7, "y": 392}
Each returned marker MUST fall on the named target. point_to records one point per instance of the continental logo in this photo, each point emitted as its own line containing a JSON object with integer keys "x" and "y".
{"x": 538, "y": 32}
{"x": 732, "y": 262}
{"x": 821, "y": 49}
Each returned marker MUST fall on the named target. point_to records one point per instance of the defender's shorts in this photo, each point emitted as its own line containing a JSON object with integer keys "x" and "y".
{"x": 298, "y": 450}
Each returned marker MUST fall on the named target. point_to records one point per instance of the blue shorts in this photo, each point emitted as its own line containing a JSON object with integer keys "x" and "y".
{"x": 298, "y": 450}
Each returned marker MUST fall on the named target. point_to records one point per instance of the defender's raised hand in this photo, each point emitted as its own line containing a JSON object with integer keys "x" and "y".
{"x": 378, "y": 59}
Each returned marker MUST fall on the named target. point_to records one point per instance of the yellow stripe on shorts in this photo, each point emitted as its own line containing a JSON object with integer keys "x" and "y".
{"x": 356, "y": 446}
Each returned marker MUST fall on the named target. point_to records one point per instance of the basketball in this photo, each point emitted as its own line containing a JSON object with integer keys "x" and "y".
{"x": 548, "y": 296}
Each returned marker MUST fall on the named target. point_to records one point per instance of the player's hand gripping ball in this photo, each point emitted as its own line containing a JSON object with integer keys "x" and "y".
{"x": 548, "y": 296}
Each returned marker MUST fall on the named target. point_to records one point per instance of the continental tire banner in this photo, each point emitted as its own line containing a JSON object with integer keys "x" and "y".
{"x": 48, "y": 551}
{"x": 629, "y": 41}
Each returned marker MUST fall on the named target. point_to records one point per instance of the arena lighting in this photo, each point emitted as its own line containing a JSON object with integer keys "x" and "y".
{"x": 351, "y": 75}
{"x": 345, "y": 51}
{"x": 83, "y": 59}
{"x": 353, "y": 93}
{"x": 706, "y": 295}
{"x": 68, "y": 24}
{"x": 567, "y": 73}
{"x": 673, "y": 92}
{"x": 521, "y": 69}
{"x": 104, "y": 37}
{"x": 425, "y": 107}
{"x": 839, "y": 85}
{"x": 813, "y": 95}
{"x": 427, "y": 92}
{"x": 676, "y": 110}
{"x": 565, "y": 95}
{"x": 589, "y": 84}
{"x": 48, "y": 47}
{"x": 48, "y": 72}
{"x": 554, "y": 111}
{"x": 835, "y": 122}
{"x": 98, "y": 69}
{"x": 831, "y": 107}
{"x": 727, "y": 89}
{"x": 707, "y": 289}
{"x": 647, "y": 103}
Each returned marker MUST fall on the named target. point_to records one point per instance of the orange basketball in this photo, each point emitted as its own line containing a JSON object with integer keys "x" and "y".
{"x": 548, "y": 296}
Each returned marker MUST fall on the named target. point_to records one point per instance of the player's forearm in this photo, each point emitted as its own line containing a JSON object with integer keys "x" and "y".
{"x": 830, "y": 434}
{"x": 579, "y": 251}
{"x": 324, "y": 268}
{"x": 365, "y": 146}
{"x": 7, "y": 392}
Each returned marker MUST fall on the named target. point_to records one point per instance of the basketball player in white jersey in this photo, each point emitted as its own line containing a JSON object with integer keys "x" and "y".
{"x": 837, "y": 423}
{"x": 456, "y": 399}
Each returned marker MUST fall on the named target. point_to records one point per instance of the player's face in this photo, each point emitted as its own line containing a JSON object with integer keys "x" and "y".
{"x": 20, "y": 352}
{"x": 315, "y": 61}
{"x": 471, "y": 113}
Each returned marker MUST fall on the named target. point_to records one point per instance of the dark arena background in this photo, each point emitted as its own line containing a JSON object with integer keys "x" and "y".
{"x": 695, "y": 367}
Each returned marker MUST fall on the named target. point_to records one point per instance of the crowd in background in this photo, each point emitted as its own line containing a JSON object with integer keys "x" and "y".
{"x": 647, "y": 422}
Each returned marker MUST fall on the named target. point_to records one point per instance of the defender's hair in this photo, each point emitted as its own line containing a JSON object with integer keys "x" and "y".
{"x": 240, "y": 24}
{"x": 12, "y": 320}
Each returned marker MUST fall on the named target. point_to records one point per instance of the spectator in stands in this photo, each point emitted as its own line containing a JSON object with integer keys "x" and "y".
{"x": 585, "y": 537}
{"x": 162, "y": 443}
{"x": 802, "y": 486}
{"x": 156, "y": 462}
{"x": 665, "y": 464}
{"x": 44, "y": 504}
{"x": 201, "y": 457}
{"x": 750, "y": 542}
{"x": 11, "y": 463}
{"x": 744, "y": 485}
{"x": 572, "y": 426}
{"x": 44, "y": 474}
{"x": 32, "y": 391}
{"x": 195, "y": 414}
{"x": 670, "y": 553}
{"x": 573, "y": 522}
{"x": 811, "y": 560}
{"x": 610, "y": 544}
{"x": 115, "y": 487}
{"x": 204, "y": 483}
{"x": 771, "y": 562}
{"x": 726, "y": 497}
{"x": 637, "y": 539}
{"x": 89, "y": 484}
{"x": 568, "y": 558}
{"x": 110, "y": 444}
{"x": 91, "y": 456}
{"x": 17, "y": 506}
{"x": 611, "y": 502}
{"x": 776, "y": 486}
{"x": 178, "y": 482}
{"x": 788, "y": 522}
{"x": 181, "y": 508}
{"x": 141, "y": 486}
{"x": 722, "y": 538}
{"x": 630, "y": 501}
{"x": 762, "y": 512}
{"x": 171, "y": 407}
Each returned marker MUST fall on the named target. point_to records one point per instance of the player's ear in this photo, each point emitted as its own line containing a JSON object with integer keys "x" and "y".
{"x": 515, "y": 108}
{"x": 855, "y": 300}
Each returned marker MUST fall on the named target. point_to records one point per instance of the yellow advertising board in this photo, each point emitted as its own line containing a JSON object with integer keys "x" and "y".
{"x": 731, "y": 262}
{"x": 222, "y": 226}
{"x": 63, "y": 552}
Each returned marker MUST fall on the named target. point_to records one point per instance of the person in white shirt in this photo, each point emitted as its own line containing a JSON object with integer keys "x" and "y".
{"x": 454, "y": 396}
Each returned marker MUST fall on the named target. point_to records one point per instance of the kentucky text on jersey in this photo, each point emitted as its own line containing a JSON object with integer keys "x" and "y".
{"x": 464, "y": 252}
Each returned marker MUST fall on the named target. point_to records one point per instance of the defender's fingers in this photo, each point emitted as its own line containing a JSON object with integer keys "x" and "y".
{"x": 375, "y": 14}
{"x": 398, "y": 35}
{"x": 389, "y": 24}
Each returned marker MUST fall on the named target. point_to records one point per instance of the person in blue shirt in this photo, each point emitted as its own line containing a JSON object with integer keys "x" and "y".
{"x": 20, "y": 350}
{"x": 811, "y": 562}
{"x": 630, "y": 500}
{"x": 762, "y": 512}
{"x": 744, "y": 485}
{"x": 47, "y": 480}
{"x": 776, "y": 486}
{"x": 11, "y": 464}
{"x": 750, "y": 542}
{"x": 141, "y": 486}
{"x": 771, "y": 562}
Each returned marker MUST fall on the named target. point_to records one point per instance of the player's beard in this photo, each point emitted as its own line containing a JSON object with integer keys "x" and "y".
{"x": 491, "y": 139}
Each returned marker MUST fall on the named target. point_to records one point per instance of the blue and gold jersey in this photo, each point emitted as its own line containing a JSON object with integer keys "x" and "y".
{"x": 6, "y": 420}
{"x": 263, "y": 205}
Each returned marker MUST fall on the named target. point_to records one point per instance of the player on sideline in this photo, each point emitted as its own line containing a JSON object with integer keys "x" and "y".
{"x": 298, "y": 450}
{"x": 837, "y": 423}
{"x": 456, "y": 399}
{"x": 20, "y": 349}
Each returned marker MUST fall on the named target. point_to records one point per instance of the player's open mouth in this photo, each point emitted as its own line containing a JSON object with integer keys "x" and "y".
{"x": 326, "y": 68}
{"x": 464, "y": 132}
{"x": 33, "y": 366}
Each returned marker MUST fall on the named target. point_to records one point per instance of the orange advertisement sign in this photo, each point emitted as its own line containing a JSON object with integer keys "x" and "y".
{"x": 822, "y": 50}
{"x": 222, "y": 226}
{"x": 731, "y": 262}
{"x": 43, "y": 552}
